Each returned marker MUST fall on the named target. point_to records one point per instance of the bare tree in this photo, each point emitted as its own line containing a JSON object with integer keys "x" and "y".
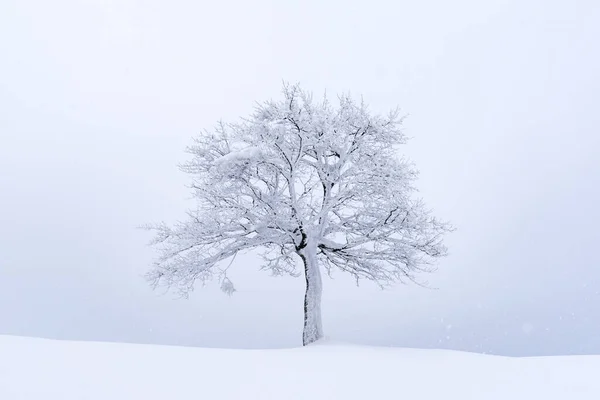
{"x": 305, "y": 179}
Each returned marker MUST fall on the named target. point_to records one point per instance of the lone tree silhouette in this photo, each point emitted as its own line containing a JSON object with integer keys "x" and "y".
{"x": 302, "y": 180}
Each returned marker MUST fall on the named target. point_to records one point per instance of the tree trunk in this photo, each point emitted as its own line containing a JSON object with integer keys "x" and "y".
{"x": 313, "y": 329}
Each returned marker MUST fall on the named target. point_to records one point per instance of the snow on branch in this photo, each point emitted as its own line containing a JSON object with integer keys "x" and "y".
{"x": 300, "y": 174}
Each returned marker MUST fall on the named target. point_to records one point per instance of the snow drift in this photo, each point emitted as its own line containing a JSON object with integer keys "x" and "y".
{"x": 60, "y": 370}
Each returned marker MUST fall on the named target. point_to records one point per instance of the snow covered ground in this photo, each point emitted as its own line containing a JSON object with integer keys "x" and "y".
{"x": 32, "y": 369}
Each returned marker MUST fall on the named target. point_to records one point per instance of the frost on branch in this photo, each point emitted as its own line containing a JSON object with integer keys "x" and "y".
{"x": 227, "y": 286}
{"x": 306, "y": 181}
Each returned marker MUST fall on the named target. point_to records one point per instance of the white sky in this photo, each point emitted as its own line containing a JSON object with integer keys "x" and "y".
{"x": 98, "y": 100}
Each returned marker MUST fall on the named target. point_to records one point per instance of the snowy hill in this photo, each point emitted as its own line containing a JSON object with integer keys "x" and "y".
{"x": 60, "y": 370}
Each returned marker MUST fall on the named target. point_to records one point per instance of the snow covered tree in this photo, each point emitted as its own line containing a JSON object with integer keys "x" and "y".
{"x": 302, "y": 181}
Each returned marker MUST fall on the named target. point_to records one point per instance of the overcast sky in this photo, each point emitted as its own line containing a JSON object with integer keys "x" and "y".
{"x": 98, "y": 100}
